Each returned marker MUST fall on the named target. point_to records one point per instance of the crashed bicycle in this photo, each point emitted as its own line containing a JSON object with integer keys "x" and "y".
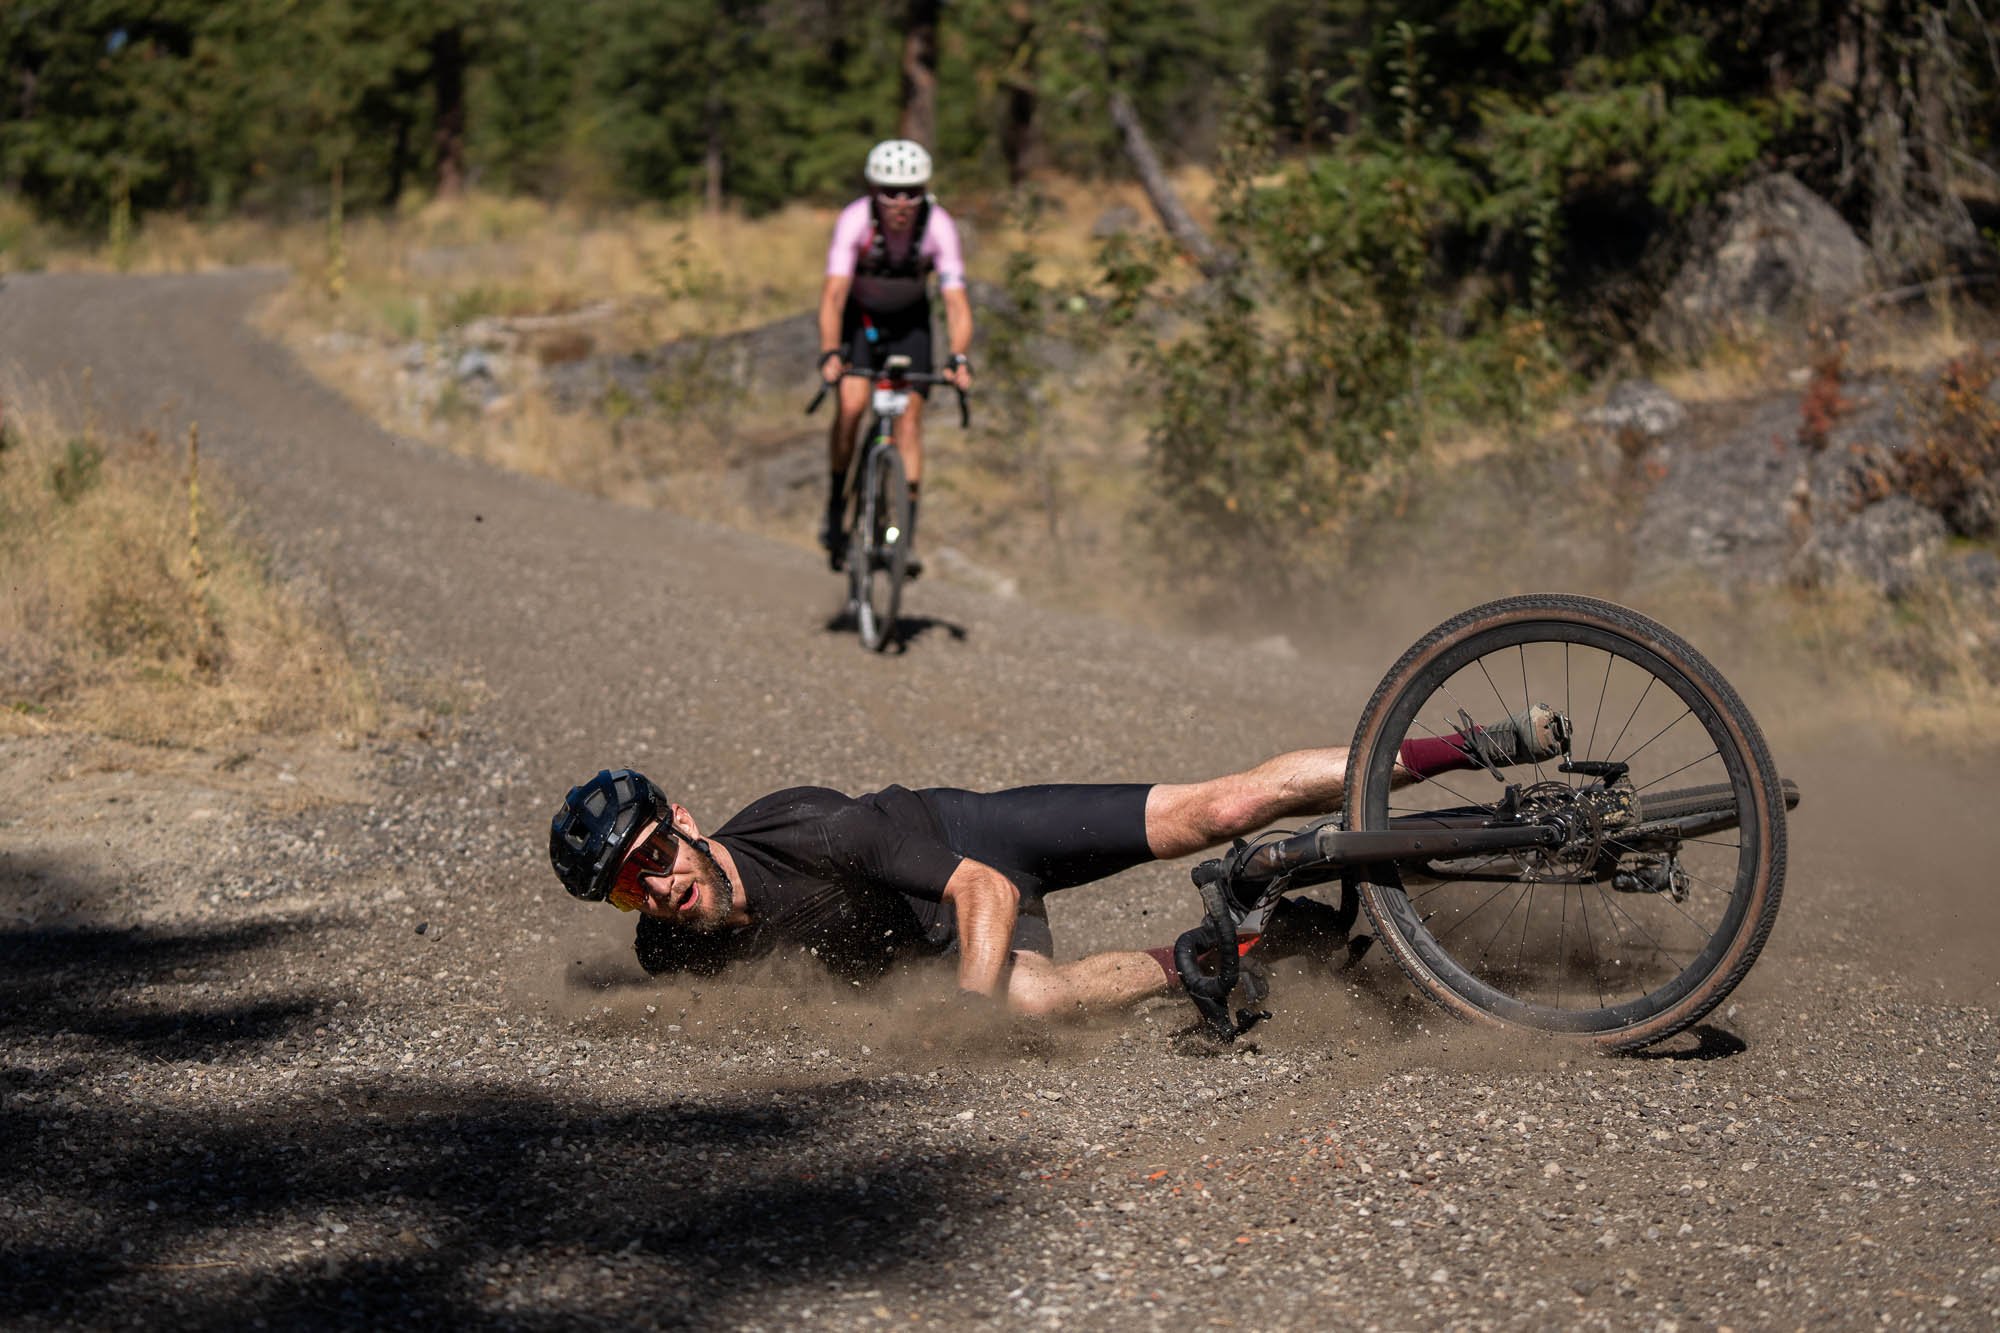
{"x": 1614, "y": 894}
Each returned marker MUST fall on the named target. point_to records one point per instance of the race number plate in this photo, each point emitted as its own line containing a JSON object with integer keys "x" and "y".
{"x": 891, "y": 402}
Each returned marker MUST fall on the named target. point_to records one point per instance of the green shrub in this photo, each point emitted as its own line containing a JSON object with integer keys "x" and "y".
{"x": 76, "y": 470}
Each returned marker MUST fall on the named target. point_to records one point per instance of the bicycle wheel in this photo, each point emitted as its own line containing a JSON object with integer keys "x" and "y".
{"x": 885, "y": 496}
{"x": 1622, "y": 937}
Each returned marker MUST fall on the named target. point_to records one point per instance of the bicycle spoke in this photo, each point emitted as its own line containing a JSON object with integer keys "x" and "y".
{"x": 1712, "y": 754}
{"x": 1527, "y": 709}
{"x": 1598, "y": 716}
{"x": 1596, "y": 968}
{"x": 1657, "y": 946}
{"x": 1612, "y": 749}
{"x": 1498, "y": 929}
{"x": 1521, "y": 948}
{"x": 1477, "y": 910}
{"x": 1685, "y": 714}
{"x": 1562, "y": 929}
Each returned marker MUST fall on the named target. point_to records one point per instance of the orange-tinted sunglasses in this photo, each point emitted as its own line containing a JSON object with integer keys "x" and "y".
{"x": 645, "y": 859}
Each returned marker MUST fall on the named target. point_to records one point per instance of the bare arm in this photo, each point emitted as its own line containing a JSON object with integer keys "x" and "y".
{"x": 832, "y": 303}
{"x": 987, "y": 904}
{"x": 958, "y": 327}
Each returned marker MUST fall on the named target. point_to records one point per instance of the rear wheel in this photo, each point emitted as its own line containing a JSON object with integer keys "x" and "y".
{"x": 1640, "y": 931}
{"x": 879, "y": 543}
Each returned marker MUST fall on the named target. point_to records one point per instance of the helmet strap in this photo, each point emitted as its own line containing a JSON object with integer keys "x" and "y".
{"x": 701, "y": 845}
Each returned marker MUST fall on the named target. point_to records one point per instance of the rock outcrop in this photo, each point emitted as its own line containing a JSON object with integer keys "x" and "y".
{"x": 1773, "y": 255}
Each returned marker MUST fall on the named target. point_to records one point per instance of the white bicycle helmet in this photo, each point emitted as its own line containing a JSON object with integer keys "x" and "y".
{"x": 897, "y": 163}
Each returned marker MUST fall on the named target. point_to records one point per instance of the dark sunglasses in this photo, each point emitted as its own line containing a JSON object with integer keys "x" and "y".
{"x": 899, "y": 196}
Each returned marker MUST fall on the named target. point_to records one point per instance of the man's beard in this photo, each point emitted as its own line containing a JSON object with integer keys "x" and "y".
{"x": 709, "y": 915}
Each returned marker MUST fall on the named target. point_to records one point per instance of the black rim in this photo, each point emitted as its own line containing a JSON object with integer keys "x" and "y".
{"x": 1526, "y": 942}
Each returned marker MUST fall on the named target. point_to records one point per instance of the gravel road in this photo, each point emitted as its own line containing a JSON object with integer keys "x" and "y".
{"x": 295, "y": 1037}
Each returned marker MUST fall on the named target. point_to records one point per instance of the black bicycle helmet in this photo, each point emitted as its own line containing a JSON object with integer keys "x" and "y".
{"x": 589, "y": 836}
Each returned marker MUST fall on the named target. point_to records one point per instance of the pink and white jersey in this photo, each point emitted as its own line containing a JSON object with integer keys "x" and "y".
{"x": 889, "y": 277}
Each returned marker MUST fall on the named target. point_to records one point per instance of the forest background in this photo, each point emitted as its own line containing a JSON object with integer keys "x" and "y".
{"x": 1415, "y": 215}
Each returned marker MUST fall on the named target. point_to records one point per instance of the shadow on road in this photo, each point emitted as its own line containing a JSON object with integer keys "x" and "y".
{"x": 908, "y": 629}
{"x": 181, "y": 1138}
{"x": 1710, "y": 1043}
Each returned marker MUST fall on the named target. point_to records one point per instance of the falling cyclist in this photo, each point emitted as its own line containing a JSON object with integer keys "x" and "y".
{"x": 876, "y": 303}
{"x": 941, "y": 873}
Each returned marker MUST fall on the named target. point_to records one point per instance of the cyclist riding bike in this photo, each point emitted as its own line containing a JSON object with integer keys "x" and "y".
{"x": 941, "y": 873}
{"x": 876, "y": 304}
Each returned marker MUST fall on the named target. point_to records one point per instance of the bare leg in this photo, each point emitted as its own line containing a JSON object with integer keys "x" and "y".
{"x": 1038, "y": 987}
{"x": 910, "y": 440}
{"x": 846, "y": 424}
{"x": 1182, "y": 818}
{"x": 1187, "y": 817}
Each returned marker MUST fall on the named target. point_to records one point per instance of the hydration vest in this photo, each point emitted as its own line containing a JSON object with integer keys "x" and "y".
{"x": 875, "y": 261}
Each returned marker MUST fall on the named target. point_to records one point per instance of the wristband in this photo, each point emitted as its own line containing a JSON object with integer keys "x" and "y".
{"x": 829, "y": 354}
{"x": 959, "y": 359}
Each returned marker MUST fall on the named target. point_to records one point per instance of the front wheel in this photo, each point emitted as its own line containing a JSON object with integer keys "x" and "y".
{"x": 1618, "y": 939}
{"x": 879, "y": 553}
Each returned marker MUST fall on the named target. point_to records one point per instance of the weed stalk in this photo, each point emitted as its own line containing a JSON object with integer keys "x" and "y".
{"x": 208, "y": 634}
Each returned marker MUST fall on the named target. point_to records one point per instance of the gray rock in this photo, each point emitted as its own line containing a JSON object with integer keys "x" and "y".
{"x": 1114, "y": 221}
{"x": 1776, "y": 254}
{"x": 1642, "y": 406}
{"x": 473, "y": 364}
{"x": 1722, "y": 506}
{"x": 1889, "y": 545}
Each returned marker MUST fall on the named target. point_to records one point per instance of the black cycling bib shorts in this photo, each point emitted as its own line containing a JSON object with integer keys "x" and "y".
{"x": 1046, "y": 838}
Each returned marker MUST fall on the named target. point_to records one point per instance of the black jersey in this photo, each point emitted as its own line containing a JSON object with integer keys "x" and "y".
{"x": 859, "y": 881}
{"x": 854, "y": 881}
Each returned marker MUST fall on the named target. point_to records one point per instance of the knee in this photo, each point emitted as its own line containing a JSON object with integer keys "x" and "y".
{"x": 1220, "y": 813}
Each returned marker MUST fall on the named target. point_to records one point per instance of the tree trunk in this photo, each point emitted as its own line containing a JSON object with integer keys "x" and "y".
{"x": 1017, "y": 130}
{"x": 399, "y": 161}
{"x": 30, "y": 83}
{"x": 448, "y": 133}
{"x": 712, "y": 157}
{"x": 1187, "y": 233}
{"x": 920, "y": 72}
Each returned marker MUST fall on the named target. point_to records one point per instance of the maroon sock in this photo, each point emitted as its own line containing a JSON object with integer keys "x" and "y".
{"x": 1433, "y": 754}
{"x": 1165, "y": 958}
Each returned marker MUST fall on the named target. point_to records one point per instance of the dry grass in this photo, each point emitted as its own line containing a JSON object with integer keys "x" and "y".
{"x": 1925, "y": 664}
{"x": 657, "y": 275}
{"x": 119, "y": 624}
{"x": 1824, "y": 664}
